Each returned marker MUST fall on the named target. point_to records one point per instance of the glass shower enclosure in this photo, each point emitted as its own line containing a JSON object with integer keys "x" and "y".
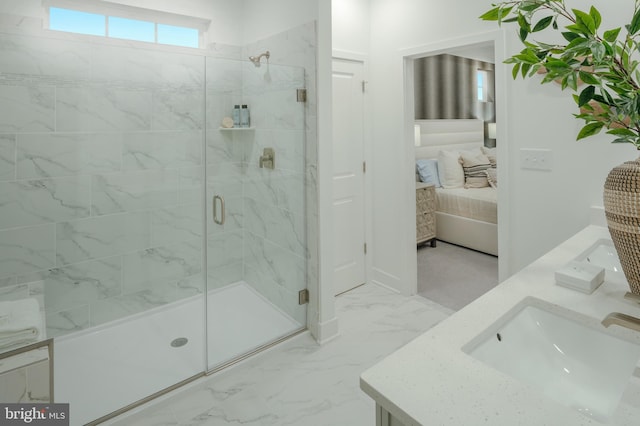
{"x": 158, "y": 244}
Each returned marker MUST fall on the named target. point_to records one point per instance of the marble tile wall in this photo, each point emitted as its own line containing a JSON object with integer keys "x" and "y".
{"x": 298, "y": 47}
{"x": 275, "y": 245}
{"x": 100, "y": 178}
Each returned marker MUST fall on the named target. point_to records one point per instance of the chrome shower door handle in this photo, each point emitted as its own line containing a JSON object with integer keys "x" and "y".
{"x": 219, "y": 221}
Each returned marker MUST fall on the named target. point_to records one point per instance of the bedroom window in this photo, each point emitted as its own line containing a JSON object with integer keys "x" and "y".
{"x": 98, "y": 18}
{"x": 482, "y": 79}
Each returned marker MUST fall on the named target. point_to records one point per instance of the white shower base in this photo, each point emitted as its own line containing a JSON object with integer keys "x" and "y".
{"x": 111, "y": 366}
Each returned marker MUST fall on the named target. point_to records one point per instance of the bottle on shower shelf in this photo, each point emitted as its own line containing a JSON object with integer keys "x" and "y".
{"x": 236, "y": 116}
{"x": 245, "y": 120}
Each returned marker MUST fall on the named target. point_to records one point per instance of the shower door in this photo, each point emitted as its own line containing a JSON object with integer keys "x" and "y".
{"x": 255, "y": 220}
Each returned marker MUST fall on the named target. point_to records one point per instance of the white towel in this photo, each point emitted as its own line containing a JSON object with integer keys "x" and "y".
{"x": 20, "y": 322}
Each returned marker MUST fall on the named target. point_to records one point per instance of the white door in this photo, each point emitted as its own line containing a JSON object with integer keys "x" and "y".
{"x": 348, "y": 175}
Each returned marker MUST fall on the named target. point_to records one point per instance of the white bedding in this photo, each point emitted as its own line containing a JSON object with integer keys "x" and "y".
{"x": 474, "y": 203}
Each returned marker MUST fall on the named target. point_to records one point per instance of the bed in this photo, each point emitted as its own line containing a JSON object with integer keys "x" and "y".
{"x": 464, "y": 216}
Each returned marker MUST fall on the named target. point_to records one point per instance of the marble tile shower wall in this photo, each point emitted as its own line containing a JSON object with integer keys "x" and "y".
{"x": 298, "y": 47}
{"x": 100, "y": 178}
{"x": 275, "y": 246}
{"x": 263, "y": 239}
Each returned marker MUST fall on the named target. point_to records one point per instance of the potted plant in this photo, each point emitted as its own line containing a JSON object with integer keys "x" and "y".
{"x": 599, "y": 67}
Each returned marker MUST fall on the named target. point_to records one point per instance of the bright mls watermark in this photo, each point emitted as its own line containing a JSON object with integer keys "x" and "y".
{"x": 34, "y": 414}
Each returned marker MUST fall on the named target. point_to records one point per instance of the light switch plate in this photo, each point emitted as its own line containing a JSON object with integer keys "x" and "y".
{"x": 536, "y": 159}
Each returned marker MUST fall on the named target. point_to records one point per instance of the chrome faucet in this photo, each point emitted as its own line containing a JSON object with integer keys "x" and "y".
{"x": 623, "y": 320}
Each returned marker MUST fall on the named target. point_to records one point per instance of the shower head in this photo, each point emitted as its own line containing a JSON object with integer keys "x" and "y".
{"x": 256, "y": 59}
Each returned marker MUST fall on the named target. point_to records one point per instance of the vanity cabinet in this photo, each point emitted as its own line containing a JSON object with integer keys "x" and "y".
{"x": 384, "y": 418}
{"x": 425, "y": 213}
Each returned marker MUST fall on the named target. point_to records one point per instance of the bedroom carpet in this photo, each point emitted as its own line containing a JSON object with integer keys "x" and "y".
{"x": 454, "y": 276}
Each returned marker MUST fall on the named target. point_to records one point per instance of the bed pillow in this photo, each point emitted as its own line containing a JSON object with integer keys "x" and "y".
{"x": 474, "y": 165}
{"x": 492, "y": 177}
{"x": 450, "y": 170}
{"x": 491, "y": 155}
{"x": 428, "y": 171}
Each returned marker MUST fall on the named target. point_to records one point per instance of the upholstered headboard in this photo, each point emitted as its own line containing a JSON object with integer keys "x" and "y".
{"x": 437, "y": 135}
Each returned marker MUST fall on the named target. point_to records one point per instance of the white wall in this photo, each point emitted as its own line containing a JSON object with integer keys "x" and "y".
{"x": 265, "y": 18}
{"x": 31, "y": 8}
{"x": 350, "y": 25}
{"x": 545, "y": 207}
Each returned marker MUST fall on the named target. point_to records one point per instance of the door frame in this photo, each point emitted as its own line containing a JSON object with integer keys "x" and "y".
{"x": 407, "y": 56}
{"x": 366, "y": 155}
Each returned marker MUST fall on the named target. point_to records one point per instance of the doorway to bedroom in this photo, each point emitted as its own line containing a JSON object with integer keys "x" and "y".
{"x": 455, "y": 146}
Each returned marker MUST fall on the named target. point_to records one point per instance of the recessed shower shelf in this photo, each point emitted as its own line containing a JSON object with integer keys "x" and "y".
{"x": 236, "y": 129}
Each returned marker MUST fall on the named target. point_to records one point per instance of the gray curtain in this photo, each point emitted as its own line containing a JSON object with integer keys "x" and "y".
{"x": 446, "y": 88}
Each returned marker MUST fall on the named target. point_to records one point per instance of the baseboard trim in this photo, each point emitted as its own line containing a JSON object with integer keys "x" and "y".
{"x": 386, "y": 280}
{"x": 327, "y": 331}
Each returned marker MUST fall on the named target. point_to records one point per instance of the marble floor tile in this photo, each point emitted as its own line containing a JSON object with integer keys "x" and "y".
{"x": 299, "y": 382}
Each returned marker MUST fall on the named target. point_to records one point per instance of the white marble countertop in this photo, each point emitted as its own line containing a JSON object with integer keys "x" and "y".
{"x": 432, "y": 381}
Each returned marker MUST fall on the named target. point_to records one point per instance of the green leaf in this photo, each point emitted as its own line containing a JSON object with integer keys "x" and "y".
{"x": 570, "y": 36}
{"x": 598, "y": 51}
{"x": 497, "y": 13}
{"x": 525, "y": 69}
{"x": 514, "y": 71}
{"x": 534, "y": 70}
{"x": 586, "y": 95}
{"x": 588, "y": 78}
{"x": 572, "y": 82}
{"x": 620, "y": 140}
{"x": 557, "y": 65}
{"x": 504, "y": 12}
{"x": 524, "y": 24}
{"x": 634, "y": 26}
{"x": 542, "y": 24}
{"x": 621, "y": 132}
{"x": 528, "y": 56}
{"x": 491, "y": 15}
{"x": 611, "y": 35}
{"x": 590, "y": 130}
{"x": 529, "y": 6}
{"x": 585, "y": 21}
{"x": 579, "y": 29}
{"x": 600, "y": 99}
{"x": 597, "y": 19}
{"x": 523, "y": 34}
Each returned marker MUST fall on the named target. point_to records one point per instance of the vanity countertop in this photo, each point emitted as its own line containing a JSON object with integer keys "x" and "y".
{"x": 432, "y": 381}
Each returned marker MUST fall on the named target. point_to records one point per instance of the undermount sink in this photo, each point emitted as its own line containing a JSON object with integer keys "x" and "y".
{"x": 603, "y": 254}
{"x": 568, "y": 356}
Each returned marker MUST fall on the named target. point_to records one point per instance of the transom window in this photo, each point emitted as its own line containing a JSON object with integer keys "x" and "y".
{"x": 124, "y": 22}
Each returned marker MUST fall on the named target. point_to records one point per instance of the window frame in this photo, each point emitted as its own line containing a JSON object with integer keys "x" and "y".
{"x": 129, "y": 12}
